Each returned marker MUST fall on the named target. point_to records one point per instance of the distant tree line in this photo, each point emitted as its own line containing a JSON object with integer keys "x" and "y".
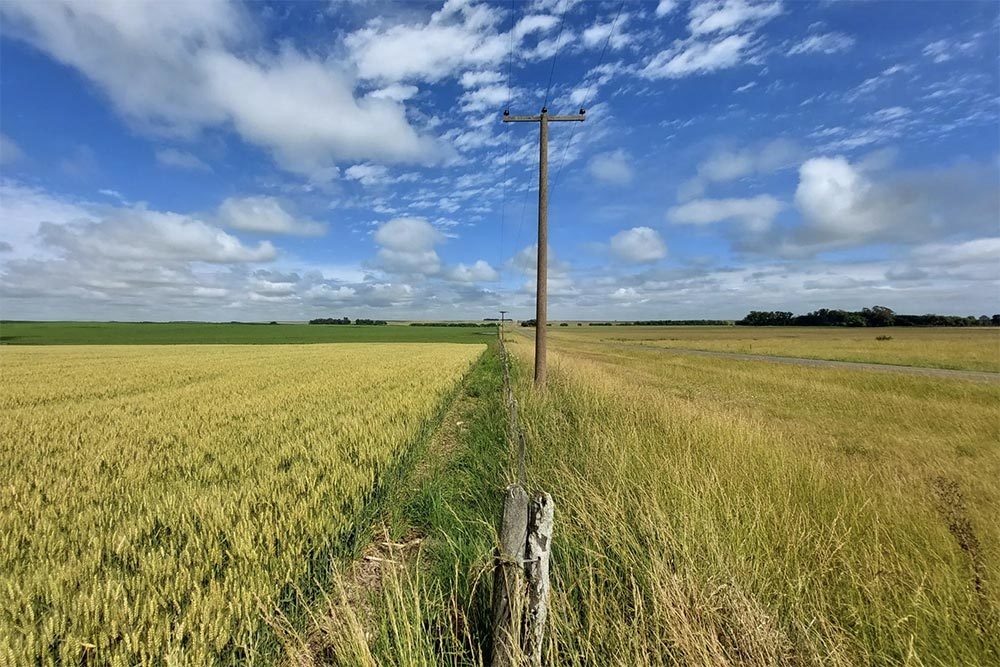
{"x": 663, "y": 323}
{"x": 643, "y": 323}
{"x": 452, "y": 324}
{"x": 330, "y": 320}
{"x": 876, "y": 316}
{"x": 346, "y": 320}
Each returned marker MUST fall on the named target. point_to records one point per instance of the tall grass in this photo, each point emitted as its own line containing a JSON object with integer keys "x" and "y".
{"x": 711, "y": 512}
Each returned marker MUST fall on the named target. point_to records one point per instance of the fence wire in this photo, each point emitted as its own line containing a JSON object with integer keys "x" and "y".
{"x": 515, "y": 435}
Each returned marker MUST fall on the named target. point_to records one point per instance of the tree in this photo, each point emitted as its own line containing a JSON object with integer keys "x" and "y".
{"x": 878, "y": 316}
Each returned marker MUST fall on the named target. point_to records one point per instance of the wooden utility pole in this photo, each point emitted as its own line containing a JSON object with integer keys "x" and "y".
{"x": 542, "y": 273}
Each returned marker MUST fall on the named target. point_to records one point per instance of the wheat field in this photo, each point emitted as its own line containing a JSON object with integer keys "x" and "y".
{"x": 160, "y": 502}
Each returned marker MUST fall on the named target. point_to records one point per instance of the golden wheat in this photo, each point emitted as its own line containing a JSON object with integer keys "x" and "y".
{"x": 158, "y": 501}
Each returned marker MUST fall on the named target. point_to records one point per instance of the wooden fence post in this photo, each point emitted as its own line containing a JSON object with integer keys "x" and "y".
{"x": 508, "y": 578}
{"x": 541, "y": 512}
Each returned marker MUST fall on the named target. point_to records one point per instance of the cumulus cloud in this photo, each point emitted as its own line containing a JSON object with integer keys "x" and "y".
{"x": 67, "y": 258}
{"x": 173, "y": 68}
{"x": 480, "y": 271}
{"x": 754, "y": 213}
{"x": 265, "y": 215}
{"x": 827, "y": 43}
{"x": 458, "y": 35}
{"x": 613, "y": 167}
{"x": 171, "y": 157}
{"x": 407, "y": 246}
{"x": 845, "y": 205}
{"x": 639, "y": 245}
{"x": 141, "y": 235}
{"x": 78, "y": 259}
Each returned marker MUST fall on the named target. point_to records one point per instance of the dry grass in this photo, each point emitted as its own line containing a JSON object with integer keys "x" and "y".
{"x": 962, "y": 349}
{"x": 720, "y": 512}
{"x": 161, "y": 502}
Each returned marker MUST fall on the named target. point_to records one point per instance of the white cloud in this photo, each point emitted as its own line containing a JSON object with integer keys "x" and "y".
{"x": 695, "y": 57}
{"x": 306, "y": 114}
{"x": 639, "y": 244}
{"x": 10, "y": 152}
{"x": 831, "y": 195}
{"x": 171, "y": 157}
{"x": 396, "y": 92}
{"x": 65, "y": 231}
{"x": 597, "y": 34}
{"x": 890, "y": 114}
{"x": 481, "y": 99}
{"x": 459, "y": 35}
{"x": 478, "y": 79}
{"x": 745, "y": 87}
{"x": 755, "y": 213}
{"x": 846, "y": 205}
{"x": 724, "y": 16}
{"x": 171, "y": 68}
{"x": 827, "y": 43}
{"x": 407, "y": 246}
{"x": 481, "y": 271}
{"x": 23, "y": 209}
{"x": 726, "y": 165}
{"x": 266, "y": 215}
{"x": 533, "y": 23}
{"x": 367, "y": 174}
{"x": 613, "y": 167}
{"x": 665, "y": 7}
{"x": 944, "y": 50}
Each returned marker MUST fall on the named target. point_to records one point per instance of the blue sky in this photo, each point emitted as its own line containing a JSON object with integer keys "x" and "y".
{"x": 216, "y": 160}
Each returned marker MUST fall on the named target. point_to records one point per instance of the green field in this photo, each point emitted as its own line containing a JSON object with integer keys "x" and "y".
{"x": 973, "y": 349}
{"x": 193, "y": 333}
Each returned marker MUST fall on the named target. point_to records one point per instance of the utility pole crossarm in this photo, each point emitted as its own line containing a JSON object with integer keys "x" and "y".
{"x": 535, "y": 119}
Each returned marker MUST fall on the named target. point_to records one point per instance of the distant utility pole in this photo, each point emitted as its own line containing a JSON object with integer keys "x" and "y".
{"x": 542, "y": 274}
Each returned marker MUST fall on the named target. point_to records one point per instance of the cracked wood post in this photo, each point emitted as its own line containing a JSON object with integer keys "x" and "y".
{"x": 508, "y": 579}
{"x": 541, "y": 512}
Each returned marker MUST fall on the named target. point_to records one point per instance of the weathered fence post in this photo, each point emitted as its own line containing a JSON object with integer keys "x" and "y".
{"x": 541, "y": 512}
{"x": 508, "y": 578}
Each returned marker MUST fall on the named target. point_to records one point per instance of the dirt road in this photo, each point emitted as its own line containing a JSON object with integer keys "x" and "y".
{"x": 981, "y": 376}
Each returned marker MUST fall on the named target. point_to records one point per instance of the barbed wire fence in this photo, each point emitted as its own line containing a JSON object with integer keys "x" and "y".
{"x": 521, "y": 576}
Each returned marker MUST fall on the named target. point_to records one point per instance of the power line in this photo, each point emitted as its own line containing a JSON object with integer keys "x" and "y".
{"x": 590, "y": 92}
{"x": 545, "y": 102}
{"x": 506, "y": 156}
{"x": 552, "y": 68}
